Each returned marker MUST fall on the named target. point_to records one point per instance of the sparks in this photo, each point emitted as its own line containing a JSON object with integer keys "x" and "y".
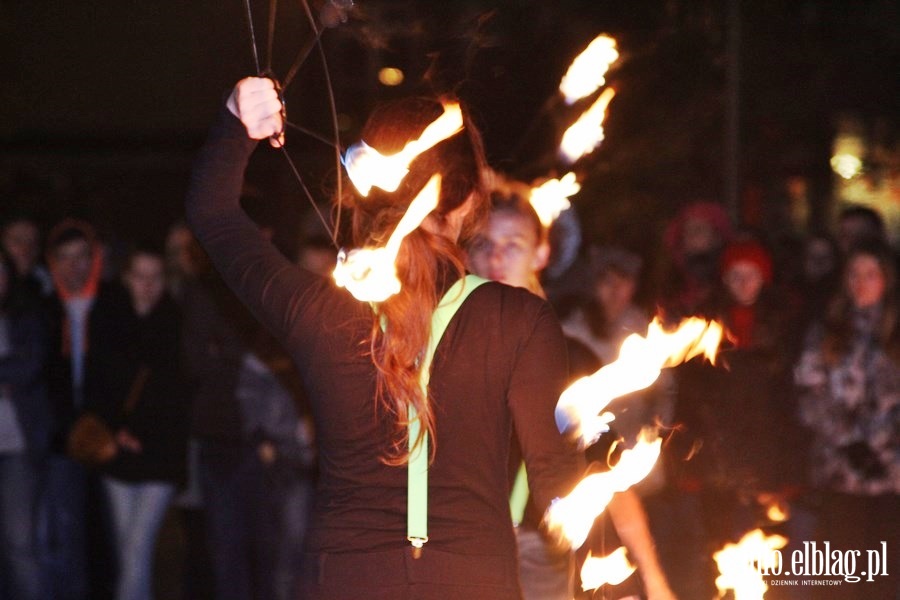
{"x": 587, "y": 72}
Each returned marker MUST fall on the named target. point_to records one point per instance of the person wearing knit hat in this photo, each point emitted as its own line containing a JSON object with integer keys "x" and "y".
{"x": 748, "y": 251}
{"x": 692, "y": 245}
{"x": 737, "y": 417}
{"x": 746, "y": 269}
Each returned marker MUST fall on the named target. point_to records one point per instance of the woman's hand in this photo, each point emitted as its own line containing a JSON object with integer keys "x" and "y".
{"x": 255, "y": 102}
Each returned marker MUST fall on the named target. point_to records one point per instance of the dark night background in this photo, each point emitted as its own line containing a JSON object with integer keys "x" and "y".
{"x": 105, "y": 103}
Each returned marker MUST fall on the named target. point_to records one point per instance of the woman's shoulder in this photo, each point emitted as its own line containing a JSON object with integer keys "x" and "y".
{"x": 512, "y": 314}
{"x": 510, "y": 301}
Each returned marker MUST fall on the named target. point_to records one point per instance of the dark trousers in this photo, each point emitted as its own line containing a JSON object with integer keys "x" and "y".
{"x": 20, "y": 573}
{"x": 397, "y": 575}
{"x": 241, "y": 545}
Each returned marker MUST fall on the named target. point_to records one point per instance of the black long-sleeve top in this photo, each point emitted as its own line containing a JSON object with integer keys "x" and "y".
{"x": 121, "y": 344}
{"x": 501, "y": 361}
{"x": 22, "y": 372}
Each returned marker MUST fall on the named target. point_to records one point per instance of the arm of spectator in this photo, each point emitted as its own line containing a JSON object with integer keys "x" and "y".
{"x": 630, "y": 520}
{"x": 24, "y": 365}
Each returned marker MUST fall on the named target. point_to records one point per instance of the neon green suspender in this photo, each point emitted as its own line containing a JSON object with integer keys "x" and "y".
{"x": 417, "y": 499}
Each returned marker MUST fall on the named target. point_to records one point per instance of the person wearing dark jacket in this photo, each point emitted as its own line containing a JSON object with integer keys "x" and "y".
{"x": 71, "y": 537}
{"x": 133, "y": 383}
{"x": 24, "y": 435}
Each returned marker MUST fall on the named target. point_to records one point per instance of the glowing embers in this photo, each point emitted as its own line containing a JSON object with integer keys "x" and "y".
{"x": 552, "y": 197}
{"x": 614, "y": 568}
{"x": 370, "y": 274}
{"x": 587, "y": 132}
{"x": 587, "y": 72}
{"x": 740, "y": 564}
{"x": 572, "y": 516}
{"x": 640, "y": 361}
{"x": 368, "y": 168}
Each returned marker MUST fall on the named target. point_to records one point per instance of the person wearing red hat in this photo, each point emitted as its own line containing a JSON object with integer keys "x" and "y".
{"x": 737, "y": 416}
{"x": 746, "y": 269}
{"x": 692, "y": 244}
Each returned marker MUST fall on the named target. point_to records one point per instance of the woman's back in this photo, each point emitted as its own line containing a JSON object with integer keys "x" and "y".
{"x": 502, "y": 355}
{"x": 501, "y": 358}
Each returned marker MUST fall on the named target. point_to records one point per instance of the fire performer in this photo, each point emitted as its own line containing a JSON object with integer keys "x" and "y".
{"x": 500, "y": 363}
{"x": 514, "y": 249}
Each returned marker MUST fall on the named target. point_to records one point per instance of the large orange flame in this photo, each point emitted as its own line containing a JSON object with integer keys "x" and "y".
{"x": 579, "y": 411}
{"x": 368, "y": 168}
{"x": 370, "y": 274}
{"x": 587, "y": 72}
{"x": 587, "y": 132}
{"x": 552, "y": 197}
{"x": 573, "y": 516}
{"x": 614, "y": 568}
{"x": 740, "y": 564}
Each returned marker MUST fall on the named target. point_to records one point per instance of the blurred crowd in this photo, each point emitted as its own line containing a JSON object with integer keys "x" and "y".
{"x": 138, "y": 395}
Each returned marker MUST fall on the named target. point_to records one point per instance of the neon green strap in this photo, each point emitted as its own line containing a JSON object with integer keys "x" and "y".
{"x": 417, "y": 495}
{"x": 518, "y": 498}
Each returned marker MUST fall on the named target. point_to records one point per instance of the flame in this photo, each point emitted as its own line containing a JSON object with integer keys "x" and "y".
{"x": 367, "y": 167}
{"x": 614, "y": 568}
{"x": 572, "y": 516}
{"x": 587, "y": 132}
{"x": 552, "y": 197}
{"x": 639, "y": 364}
{"x": 587, "y": 71}
{"x": 370, "y": 274}
{"x": 778, "y": 512}
{"x": 740, "y": 564}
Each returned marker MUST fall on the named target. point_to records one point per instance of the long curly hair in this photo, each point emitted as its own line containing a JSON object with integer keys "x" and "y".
{"x": 427, "y": 263}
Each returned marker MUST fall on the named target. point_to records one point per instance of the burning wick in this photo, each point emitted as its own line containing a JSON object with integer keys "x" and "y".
{"x": 587, "y": 132}
{"x": 641, "y": 359}
{"x": 552, "y": 197}
{"x": 370, "y": 274}
{"x": 368, "y": 168}
{"x": 573, "y": 516}
{"x": 614, "y": 568}
{"x": 740, "y": 564}
{"x": 587, "y": 72}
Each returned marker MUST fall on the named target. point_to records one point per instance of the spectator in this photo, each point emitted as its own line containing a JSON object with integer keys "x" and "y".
{"x": 21, "y": 240}
{"x": 75, "y": 261}
{"x": 858, "y": 224}
{"x": 133, "y": 383}
{"x": 24, "y": 436}
{"x": 184, "y": 258}
{"x": 282, "y": 446}
{"x": 608, "y": 316}
{"x": 849, "y": 382}
{"x": 218, "y": 333}
{"x": 689, "y": 270}
{"x": 513, "y": 249}
{"x": 820, "y": 278}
